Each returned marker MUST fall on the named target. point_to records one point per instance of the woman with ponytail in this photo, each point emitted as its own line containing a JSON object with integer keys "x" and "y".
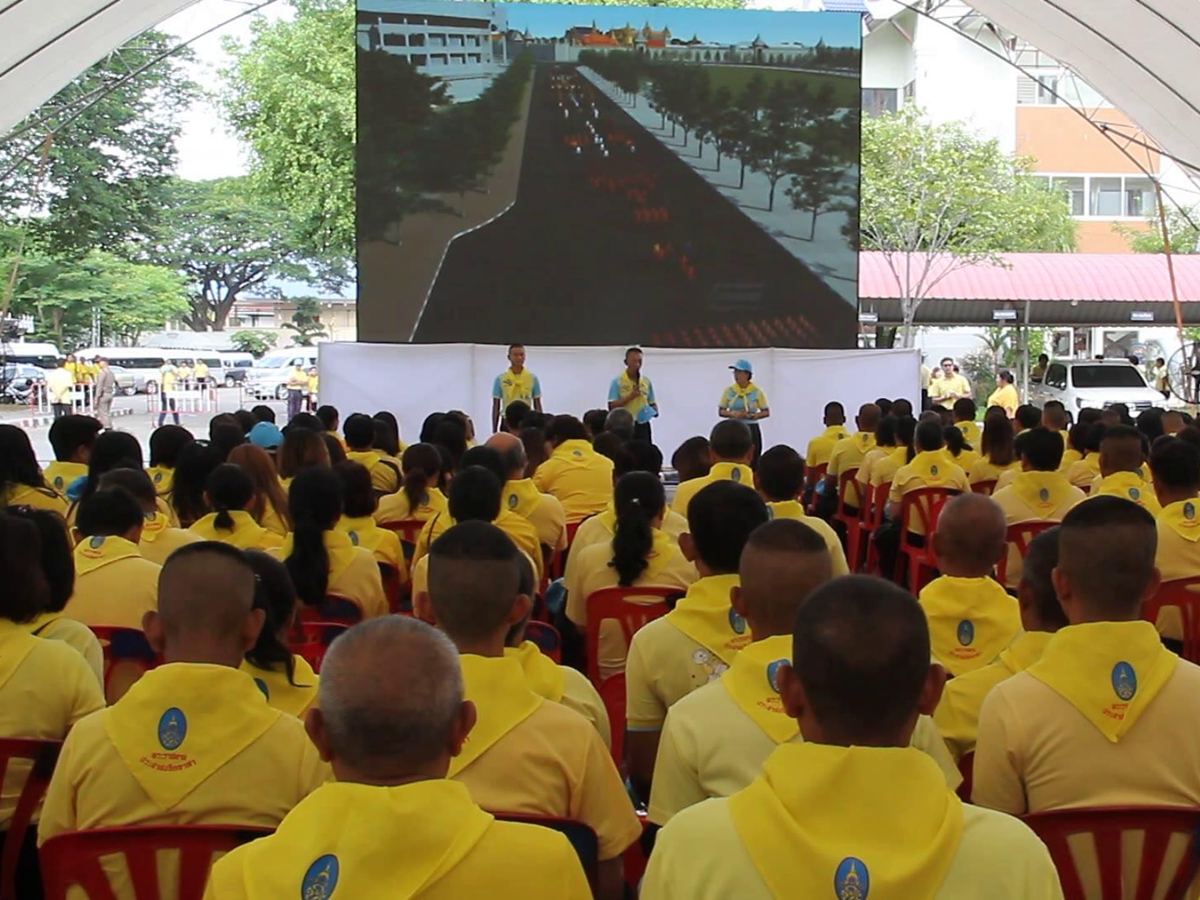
{"x": 323, "y": 562}
{"x": 419, "y": 496}
{"x": 229, "y": 493}
{"x": 270, "y": 500}
{"x": 288, "y": 681}
{"x": 640, "y": 555}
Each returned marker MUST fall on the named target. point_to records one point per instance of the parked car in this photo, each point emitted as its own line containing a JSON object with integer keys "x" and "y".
{"x": 268, "y": 379}
{"x": 234, "y": 367}
{"x": 1097, "y": 383}
{"x": 129, "y": 382}
{"x": 17, "y": 381}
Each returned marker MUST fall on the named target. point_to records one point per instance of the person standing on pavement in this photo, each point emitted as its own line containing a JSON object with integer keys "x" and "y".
{"x": 746, "y": 401}
{"x": 297, "y": 384}
{"x": 201, "y": 373}
{"x": 59, "y": 385}
{"x": 106, "y": 391}
{"x": 633, "y": 391}
{"x": 167, "y": 376}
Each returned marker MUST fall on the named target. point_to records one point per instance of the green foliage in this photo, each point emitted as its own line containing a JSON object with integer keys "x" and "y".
{"x": 1183, "y": 227}
{"x": 290, "y": 95}
{"x": 935, "y": 198}
{"x": 110, "y": 156}
{"x": 306, "y": 322}
{"x": 256, "y": 342}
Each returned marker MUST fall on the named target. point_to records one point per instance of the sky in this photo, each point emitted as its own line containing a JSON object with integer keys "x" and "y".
{"x": 724, "y": 26}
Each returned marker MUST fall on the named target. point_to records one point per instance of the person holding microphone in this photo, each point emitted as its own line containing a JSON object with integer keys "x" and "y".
{"x": 746, "y": 401}
{"x": 633, "y": 391}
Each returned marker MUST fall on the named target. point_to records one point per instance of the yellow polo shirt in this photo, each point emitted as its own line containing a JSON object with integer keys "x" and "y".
{"x": 1007, "y": 397}
{"x": 848, "y": 454}
{"x": 1179, "y": 540}
{"x": 562, "y": 684}
{"x": 1129, "y": 486}
{"x": 38, "y": 498}
{"x": 384, "y": 544}
{"x": 385, "y": 478}
{"x": 970, "y": 621}
{"x": 927, "y": 469}
{"x": 957, "y": 714}
{"x": 551, "y": 762}
{"x": 884, "y": 470}
{"x": 738, "y": 473}
{"x": 396, "y": 508}
{"x": 821, "y": 447}
{"x": 343, "y": 840}
{"x": 283, "y": 695}
{"x": 520, "y": 529}
{"x": 948, "y": 384}
{"x": 114, "y": 585}
{"x": 547, "y": 515}
{"x": 983, "y": 469}
{"x": 863, "y": 476}
{"x": 59, "y": 627}
{"x": 160, "y": 539}
{"x": 353, "y": 574}
{"x": 59, "y": 475}
{"x": 1087, "y": 470}
{"x": 579, "y": 477}
{"x": 792, "y": 509}
{"x": 45, "y": 688}
{"x": 245, "y": 535}
{"x": 163, "y": 478}
{"x": 971, "y": 431}
{"x": 666, "y": 662}
{"x": 598, "y": 529}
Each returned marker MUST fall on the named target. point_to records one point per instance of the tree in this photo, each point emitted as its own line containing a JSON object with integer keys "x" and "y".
{"x": 224, "y": 240}
{"x": 1183, "y": 227}
{"x": 111, "y": 152}
{"x": 306, "y": 322}
{"x": 256, "y": 342}
{"x": 815, "y": 184}
{"x": 775, "y": 142}
{"x": 935, "y": 198}
{"x": 290, "y": 95}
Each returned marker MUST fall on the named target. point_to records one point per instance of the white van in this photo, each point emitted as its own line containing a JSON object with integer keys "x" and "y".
{"x": 44, "y": 356}
{"x": 268, "y": 379}
{"x": 143, "y": 362}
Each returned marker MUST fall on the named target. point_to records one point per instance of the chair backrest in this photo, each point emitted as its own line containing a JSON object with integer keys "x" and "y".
{"x": 583, "y": 839}
{"x": 73, "y": 859}
{"x": 984, "y": 487}
{"x": 408, "y": 530}
{"x": 873, "y": 512}
{"x": 559, "y": 566}
{"x": 311, "y": 640}
{"x": 847, "y": 489}
{"x": 1106, "y": 826}
{"x": 547, "y": 638}
{"x": 42, "y": 756}
{"x": 926, "y": 505}
{"x": 127, "y": 646}
{"x": 331, "y": 609}
{"x": 392, "y": 585}
{"x": 618, "y": 603}
{"x": 1183, "y": 593}
{"x": 612, "y": 695}
{"x": 1020, "y": 536}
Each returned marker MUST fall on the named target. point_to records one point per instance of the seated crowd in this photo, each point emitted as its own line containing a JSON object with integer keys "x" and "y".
{"x": 858, "y": 667}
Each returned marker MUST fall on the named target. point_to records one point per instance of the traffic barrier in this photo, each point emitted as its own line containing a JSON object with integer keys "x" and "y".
{"x": 83, "y": 399}
{"x": 189, "y": 397}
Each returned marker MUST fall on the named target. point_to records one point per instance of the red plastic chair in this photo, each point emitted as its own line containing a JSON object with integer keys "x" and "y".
{"x": 872, "y": 518}
{"x": 583, "y": 839}
{"x": 1020, "y": 536}
{"x": 127, "y": 646}
{"x": 814, "y": 476}
{"x": 408, "y": 530}
{"x": 616, "y": 603}
{"x": 547, "y": 638}
{"x": 331, "y": 609}
{"x": 74, "y": 858}
{"x": 850, "y": 520}
{"x": 311, "y": 640}
{"x": 1106, "y": 825}
{"x": 43, "y": 756}
{"x": 1183, "y": 593}
{"x": 612, "y": 695}
{"x": 987, "y": 487}
{"x": 966, "y": 768}
{"x": 926, "y": 505}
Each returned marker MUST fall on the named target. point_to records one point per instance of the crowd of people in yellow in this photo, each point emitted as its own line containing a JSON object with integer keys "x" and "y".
{"x": 794, "y": 719}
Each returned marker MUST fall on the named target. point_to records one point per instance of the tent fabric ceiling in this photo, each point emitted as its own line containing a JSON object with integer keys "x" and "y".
{"x": 1141, "y": 55}
{"x": 47, "y": 44}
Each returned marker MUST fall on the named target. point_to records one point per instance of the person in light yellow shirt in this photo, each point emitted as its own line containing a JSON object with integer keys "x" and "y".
{"x": 884, "y": 469}
{"x": 360, "y": 438}
{"x": 820, "y": 447}
{"x": 1088, "y": 723}
{"x": 732, "y": 448}
{"x": 951, "y": 387}
{"x": 971, "y": 617}
{"x": 526, "y": 754}
{"x": 848, "y": 454}
{"x": 1076, "y": 441}
{"x": 21, "y": 479}
{"x": 997, "y": 449}
{"x": 885, "y": 444}
{"x": 929, "y": 467}
{"x": 1005, "y": 395}
{"x": 1084, "y": 472}
{"x": 358, "y": 519}
{"x": 322, "y": 560}
{"x": 639, "y": 555}
{"x": 778, "y": 479}
{"x": 698, "y": 640}
{"x": 193, "y": 741}
{"x": 391, "y": 745}
{"x": 965, "y": 411}
{"x": 159, "y": 537}
{"x": 577, "y": 475}
{"x": 114, "y": 584}
{"x": 72, "y": 438}
{"x": 166, "y": 443}
{"x": 522, "y": 496}
{"x": 270, "y": 509}
{"x": 419, "y": 496}
{"x": 229, "y": 493}
{"x": 957, "y": 715}
{"x": 1122, "y": 462}
{"x": 1175, "y": 468}
{"x": 960, "y": 452}
{"x": 854, "y": 809}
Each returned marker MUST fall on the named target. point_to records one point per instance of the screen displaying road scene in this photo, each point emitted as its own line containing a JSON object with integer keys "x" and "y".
{"x": 557, "y": 174}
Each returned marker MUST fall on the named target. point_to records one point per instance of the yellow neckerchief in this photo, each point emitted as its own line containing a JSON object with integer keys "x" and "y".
{"x": 543, "y": 675}
{"x": 246, "y": 533}
{"x": 578, "y": 452}
{"x": 1024, "y": 651}
{"x": 737, "y": 392}
{"x": 933, "y": 467}
{"x": 626, "y": 386}
{"x": 1181, "y": 517}
{"x": 363, "y": 531}
{"x": 738, "y": 473}
{"x": 970, "y": 620}
{"x": 180, "y": 723}
{"x": 154, "y": 525}
{"x": 1042, "y": 492}
{"x": 369, "y": 459}
{"x": 162, "y": 476}
{"x": 521, "y": 496}
{"x": 864, "y": 441}
{"x": 1070, "y": 457}
{"x": 704, "y": 615}
{"x": 971, "y": 432}
{"x": 899, "y": 455}
{"x": 502, "y": 698}
{"x": 16, "y": 643}
{"x": 888, "y": 825}
{"x": 344, "y": 841}
{"x": 1091, "y": 462}
{"x": 786, "y": 509}
{"x": 59, "y": 475}
{"x": 338, "y": 545}
{"x": 662, "y": 554}
{"x": 1109, "y": 671}
{"x": 281, "y": 694}
{"x": 1129, "y": 486}
{"x": 522, "y": 381}
{"x": 752, "y": 681}
{"x": 93, "y": 552}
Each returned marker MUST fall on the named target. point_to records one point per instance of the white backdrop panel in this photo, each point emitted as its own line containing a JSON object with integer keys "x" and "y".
{"x": 413, "y": 380}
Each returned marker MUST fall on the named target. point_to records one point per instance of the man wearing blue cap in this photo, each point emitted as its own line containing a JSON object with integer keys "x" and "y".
{"x": 746, "y": 401}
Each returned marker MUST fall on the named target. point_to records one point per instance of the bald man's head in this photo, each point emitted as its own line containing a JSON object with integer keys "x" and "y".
{"x": 205, "y": 606}
{"x": 970, "y": 537}
{"x": 512, "y": 453}
{"x": 868, "y": 417}
{"x": 782, "y": 563}
{"x": 411, "y": 722}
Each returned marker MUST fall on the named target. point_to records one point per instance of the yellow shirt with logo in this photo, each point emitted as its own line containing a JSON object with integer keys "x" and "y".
{"x": 547, "y": 515}
{"x": 520, "y": 529}
{"x": 598, "y": 529}
{"x": 396, "y": 508}
{"x": 1021, "y": 501}
{"x": 114, "y": 585}
{"x": 1005, "y": 396}
{"x": 928, "y": 469}
{"x": 60, "y": 475}
{"x": 385, "y": 477}
{"x": 46, "y": 687}
{"x": 1179, "y": 540}
{"x": 971, "y": 431}
{"x": 884, "y": 470}
{"x": 384, "y": 544}
{"x": 983, "y": 469}
{"x": 292, "y": 697}
{"x": 738, "y": 473}
{"x": 971, "y": 620}
{"x": 353, "y": 573}
{"x": 579, "y": 477}
{"x": 848, "y": 454}
{"x": 160, "y": 539}
{"x": 163, "y": 478}
{"x": 870, "y": 458}
{"x": 821, "y": 447}
{"x": 246, "y": 534}
{"x": 1128, "y": 486}
{"x": 509, "y": 387}
{"x": 562, "y": 684}
{"x": 792, "y": 509}
{"x": 38, "y": 498}
{"x": 54, "y": 626}
{"x": 941, "y": 389}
